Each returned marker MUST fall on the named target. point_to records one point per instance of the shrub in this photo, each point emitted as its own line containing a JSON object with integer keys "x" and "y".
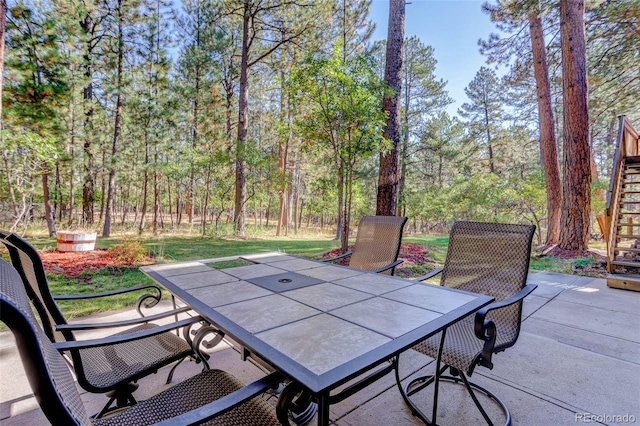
{"x": 129, "y": 252}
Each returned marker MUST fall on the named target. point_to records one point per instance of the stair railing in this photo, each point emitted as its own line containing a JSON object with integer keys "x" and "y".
{"x": 627, "y": 145}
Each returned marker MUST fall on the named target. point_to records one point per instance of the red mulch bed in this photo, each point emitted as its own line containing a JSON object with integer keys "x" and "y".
{"x": 71, "y": 264}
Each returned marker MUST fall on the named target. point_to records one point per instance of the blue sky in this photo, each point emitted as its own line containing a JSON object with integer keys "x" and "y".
{"x": 453, "y": 28}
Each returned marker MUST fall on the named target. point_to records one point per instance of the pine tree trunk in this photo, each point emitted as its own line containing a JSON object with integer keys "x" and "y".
{"x": 145, "y": 187}
{"x": 548, "y": 143}
{"x": 190, "y": 196}
{"x": 46, "y": 198}
{"x": 88, "y": 186}
{"x": 156, "y": 200}
{"x": 283, "y": 150}
{"x": 243, "y": 104}
{"x": 487, "y": 123}
{"x": 3, "y": 21}
{"x": 345, "y": 219}
{"x": 576, "y": 203}
{"x": 341, "y": 196}
{"x": 117, "y": 128}
{"x": 228, "y": 89}
{"x": 206, "y": 200}
{"x": 404, "y": 153}
{"x": 387, "y": 200}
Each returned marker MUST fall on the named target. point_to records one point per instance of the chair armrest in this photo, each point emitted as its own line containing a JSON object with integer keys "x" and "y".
{"x": 387, "y": 267}
{"x": 342, "y": 256}
{"x": 133, "y": 321}
{"x": 485, "y": 330}
{"x": 226, "y": 403}
{"x": 429, "y": 275}
{"x": 482, "y": 313}
{"x": 127, "y": 337}
{"x": 108, "y": 293}
{"x": 146, "y": 300}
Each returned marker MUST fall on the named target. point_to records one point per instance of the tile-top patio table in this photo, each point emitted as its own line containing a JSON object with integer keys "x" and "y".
{"x": 320, "y": 325}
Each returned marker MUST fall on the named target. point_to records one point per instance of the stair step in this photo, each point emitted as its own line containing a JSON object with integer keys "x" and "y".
{"x": 624, "y": 281}
{"x": 628, "y": 249}
{"x": 621, "y": 224}
{"x": 626, "y": 263}
{"x": 630, "y": 237}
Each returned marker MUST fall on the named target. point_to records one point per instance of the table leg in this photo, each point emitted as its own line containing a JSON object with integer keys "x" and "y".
{"x": 437, "y": 378}
{"x": 323, "y": 409}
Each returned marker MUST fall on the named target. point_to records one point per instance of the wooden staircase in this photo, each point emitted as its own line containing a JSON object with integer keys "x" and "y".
{"x": 623, "y": 213}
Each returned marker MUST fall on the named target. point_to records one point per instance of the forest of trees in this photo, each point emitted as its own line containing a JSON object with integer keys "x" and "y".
{"x": 229, "y": 113}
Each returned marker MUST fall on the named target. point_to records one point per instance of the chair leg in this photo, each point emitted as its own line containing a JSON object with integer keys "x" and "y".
{"x": 295, "y": 404}
{"x": 173, "y": 369}
{"x": 419, "y": 383}
{"x": 409, "y": 389}
{"x": 470, "y": 386}
{"x": 123, "y": 397}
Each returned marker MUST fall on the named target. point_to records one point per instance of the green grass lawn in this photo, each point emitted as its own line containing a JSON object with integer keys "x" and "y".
{"x": 184, "y": 247}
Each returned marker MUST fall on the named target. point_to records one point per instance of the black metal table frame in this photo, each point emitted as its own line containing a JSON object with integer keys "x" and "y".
{"x": 321, "y": 385}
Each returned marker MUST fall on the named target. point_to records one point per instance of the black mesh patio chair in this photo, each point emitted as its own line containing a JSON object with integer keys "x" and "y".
{"x": 486, "y": 258}
{"x": 377, "y": 244}
{"x": 212, "y": 397}
{"x": 110, "y": 368}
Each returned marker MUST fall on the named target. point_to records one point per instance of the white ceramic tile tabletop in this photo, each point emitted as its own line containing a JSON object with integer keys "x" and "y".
{"x": 321, "y": 322}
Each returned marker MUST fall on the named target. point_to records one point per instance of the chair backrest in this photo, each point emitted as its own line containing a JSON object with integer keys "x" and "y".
{"x": 377, "y": 242}
{"x": 27, "y": 261}
{"x": 48, "y": 373}
{"x": 492, "y": 259}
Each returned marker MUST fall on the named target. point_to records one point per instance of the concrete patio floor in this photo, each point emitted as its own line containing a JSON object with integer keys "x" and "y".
{"x": 577, "y": 361}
